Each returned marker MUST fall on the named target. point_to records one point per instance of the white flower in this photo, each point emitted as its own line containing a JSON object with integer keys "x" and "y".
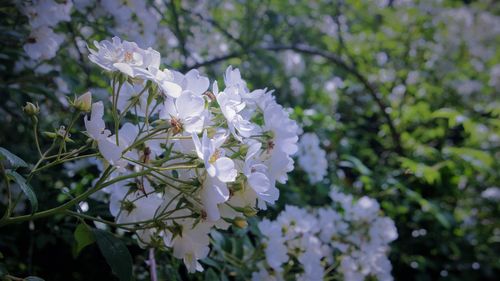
{"x": 106, "y": 143}
{"x": 320, "y": 238}
{"x": 365, "y": 209}
{"x": 284, "y": 130}
{"x": 257, "y": 175}
{"x": 43, "y": 43}
{"x": 192, "y": 81}
{"x": 164, "y": 79}
{"x": 231, "y": 105}
{"x": 232, "y": 78}
{"x": 213, "y": 192}
{"x": 312, "y": 158}
{"x": 383, "y": 230}
{"x": 95, "y": 125}
{"x": 125, "y": 56}
{"x": 141, "y": 204}
{"x": 276, "y": 251}
{"x": 46, "y": 13}
{"x": 297, "y": 87}
{"x": 310, "y": 259}
{"x": 295, "y": 221}
{"x": 220, "y": 170}
{"x": 191, "y": 244}
{"x": 132, "y": 98}
{"x": 495, "y": 77}
{"x": 283, "y": 143}
{"x": 187, "y": 112}
{"x": 491, "y": 193}
{"x": 210, "y": 151}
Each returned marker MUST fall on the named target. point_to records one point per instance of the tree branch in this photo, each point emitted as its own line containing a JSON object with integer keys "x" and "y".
{"x": 308, "y": 50}
{"x": 179, "y": 34}
{"x": 217, "y": 60}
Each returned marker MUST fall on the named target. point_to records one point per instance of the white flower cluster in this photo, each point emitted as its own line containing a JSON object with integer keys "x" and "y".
{"x": 193, "y": 159}
{"x": 44, "y": 15}
{"x": 351, "y": 237}
{"x": 312, "y": 158}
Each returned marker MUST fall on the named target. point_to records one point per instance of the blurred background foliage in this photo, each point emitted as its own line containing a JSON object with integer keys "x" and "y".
{"x": 402, "y": 94}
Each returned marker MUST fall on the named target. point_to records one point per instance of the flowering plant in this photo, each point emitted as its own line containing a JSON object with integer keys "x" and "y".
{"x": 180, "y": 159}
{"x": 396, "y": 100}
{"x": 308, "y": 245}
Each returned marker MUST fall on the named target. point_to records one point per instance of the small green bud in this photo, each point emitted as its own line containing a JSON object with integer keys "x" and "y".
{"x": 249, "y": 211}
{"x": 31, "y": 109}
{"x": 128, "y": 206}
{"x": 211, "y": 131}
{"x": 243, "y": 149}
{"x": 240, "y": 222}
{"x": 84, "y": 102}
{"x": 50, "y": 135}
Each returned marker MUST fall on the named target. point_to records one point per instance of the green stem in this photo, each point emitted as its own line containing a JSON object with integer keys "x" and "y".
{"x": 83, "y": 216}
{"x": 57, "y": 162}
{"x": 66, "y": 133}
{"x": 62, "y": 208}
{"x": 116, "y": 94}
{"x": 134, "y": 102}
{"x": 35, "y": 133}
{"x": 179, "y": 166}
{"x": 41, "y": 160}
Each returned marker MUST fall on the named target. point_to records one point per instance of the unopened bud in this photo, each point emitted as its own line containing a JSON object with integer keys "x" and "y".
{"x": 31, "y": 109}
{"x": 84, "y": 102}
{"x": 211, "y": 131}
{"x": 243, "y": 149}
{"x": 50, "y": 135}
{"x": 240, "y": 222}
{"x": 210, "y": 95}
{"x": 249, "y": 211}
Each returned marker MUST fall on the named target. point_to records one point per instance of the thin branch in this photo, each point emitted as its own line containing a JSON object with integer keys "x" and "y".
{"x": 152, "y": 265}
{"x": 179, "y": 34}
{"x": 216, "y": 25}
{"x": 82, "y": 63}
{"x": 218, "y": 59}
{"x": 308, "y": 50}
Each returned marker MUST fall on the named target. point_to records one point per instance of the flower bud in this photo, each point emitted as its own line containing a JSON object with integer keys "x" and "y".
{"x": 31, "y": 109}
{"x": 240, "y": 222}
{"x": 243, "y": 149}
{"x": 210, "y": 95}
{"x": 50, "y": 135}
{"x": 84, "y": 102}
{"x": 249, "y": 211}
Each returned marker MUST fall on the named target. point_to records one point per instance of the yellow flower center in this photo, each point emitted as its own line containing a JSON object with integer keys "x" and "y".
{"x": 215, "y": 156}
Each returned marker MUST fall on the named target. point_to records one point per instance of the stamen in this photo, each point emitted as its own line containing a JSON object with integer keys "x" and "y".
{"x": 216, "y": 155}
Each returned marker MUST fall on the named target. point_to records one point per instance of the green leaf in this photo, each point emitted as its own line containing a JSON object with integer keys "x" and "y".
{"x": 116, "y": 254}
{"x": 26, "y": 188}
{"x": 356, "y": 164}
{"x": 13, "y": 159}
{"x": 83, "y": 237}
{"x": 211, "y": 275}
{"x": 429, "y": 174}
{"x": 476, "y": 157}
{"x": 442, "y": 219}
{"x": 211, "y": 262}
